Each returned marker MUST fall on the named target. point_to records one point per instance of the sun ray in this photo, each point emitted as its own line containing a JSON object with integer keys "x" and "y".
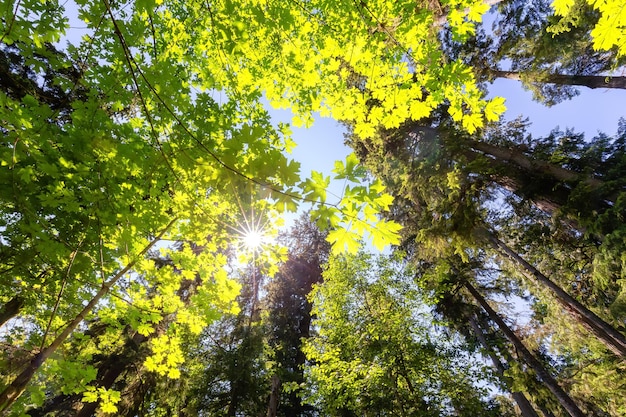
{"x": 253, "y": 239}
{"x": 253, "y": 228}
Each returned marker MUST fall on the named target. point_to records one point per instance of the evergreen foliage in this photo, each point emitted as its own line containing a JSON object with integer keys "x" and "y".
{"x": 135, "y": 157}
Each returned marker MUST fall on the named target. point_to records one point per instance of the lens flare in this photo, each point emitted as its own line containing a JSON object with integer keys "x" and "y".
{"x": 254, "y": 227}
{"x": 252, "y": 239}
{"x": 255, "y": 232}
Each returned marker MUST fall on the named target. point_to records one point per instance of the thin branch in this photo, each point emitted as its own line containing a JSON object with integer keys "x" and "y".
{"x": 10, "y": 26}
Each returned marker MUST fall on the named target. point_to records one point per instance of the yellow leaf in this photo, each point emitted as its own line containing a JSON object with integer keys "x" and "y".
{"x": 494, "y": 108}
{"x": 90, "y": 396}
{"x": 419, "y": 110}
{"x": 384, "y": 201}
{"x": 344, "y": 240}
{"x": 144, "y": 329}
{"x": 562, "y": 7}
{"x": 472, "y": 121}
{"x": 365, "y": 130}
{"x": 108, "y": 408}
{"x": 477, "y": 10}
{"x": 385, "y": 233}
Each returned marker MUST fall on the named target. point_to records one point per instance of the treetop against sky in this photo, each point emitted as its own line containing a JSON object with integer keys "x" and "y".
{"x": 372, "y": 65}
{"x": 151, "y": 128}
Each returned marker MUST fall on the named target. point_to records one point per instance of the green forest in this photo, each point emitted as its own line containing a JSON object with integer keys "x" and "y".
{"x": 163, "y": 254}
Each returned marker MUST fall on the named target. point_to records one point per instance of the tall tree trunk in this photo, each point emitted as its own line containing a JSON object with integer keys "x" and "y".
{"x": 132, "y": 355}
{"x": 272, "y": 407}
{"x": 108, "y": 372}
{"x": 606, "y": 333}
{"x": 233, "y": 404}
{"x": 504, "y": 154}
{"x": 534, "y": 166}
{"x": 589, "y": 81}
{"x": 12, "y": 392}
{"x": 548, "y": 195}
{"x": 10, "y": 309}
{"x": 548, "y": 186}
{"x": 520, "y": 399}
{"x": 564, "y": 399}
{"x": 115, "y": 366}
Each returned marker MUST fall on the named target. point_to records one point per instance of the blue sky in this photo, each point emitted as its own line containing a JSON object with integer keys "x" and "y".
{"x": 322, "y": 144}
{"x": 319, "y": 146}
{"x": 592, "y": 111}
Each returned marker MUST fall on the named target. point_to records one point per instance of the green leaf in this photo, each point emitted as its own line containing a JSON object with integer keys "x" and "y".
{"x": 494, "y": 109}
{"x": 343, "y": 240}
{"x": 91, "y": 395}
{"x": 315, "y": 187}
{"x": 326, "y": 217}
{"x": 351, "y": 169}
{"x": 385, "y": 233}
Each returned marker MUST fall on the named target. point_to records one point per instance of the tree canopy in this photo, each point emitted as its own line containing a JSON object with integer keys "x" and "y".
{"x": 139, "y": 157}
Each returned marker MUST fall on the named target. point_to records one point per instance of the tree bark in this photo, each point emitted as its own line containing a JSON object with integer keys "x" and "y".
{"x": 606, "y": 333}
{"x": 564, "y": 399}
{"x": 547, "y": 195}
{"x": 272, "y": 407}
{"x": 503, "y": 154}
{"x": 534, "y": 166}
{"x": 527, "y": 185}
{"x": 133, "y": 354}
{"x": 13, "y": 391}
{"x": 548, "y": 186}
{"x": 520, "y": 399}
{"x": 113, "y": 367}
{"x": 10, "y": 309}
{"x": 589, "y": 81}
{"x": 108, "y": 372}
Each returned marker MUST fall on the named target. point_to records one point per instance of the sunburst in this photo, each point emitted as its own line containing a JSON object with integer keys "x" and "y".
{"x": 253, "y": 239}
{"x": 256, "y": 229}
{"x": 253, "y": 235}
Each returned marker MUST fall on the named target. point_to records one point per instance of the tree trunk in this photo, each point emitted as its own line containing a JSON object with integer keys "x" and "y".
{"x": 589, "y": 81}
{"x": 533, "y": 166}
{"x": 504, "y": 154}
{"x": 132, "y": 354}
{"x": 608, "y": 335}
{"x": 10, "y": 309}
{"x": 514, "y": 171}
{"x": 564, "y": 399}
{"x": 108, "y": 372}
{"x": 272, "y": 407}
{"x": 548, "y": 195}
{"x": 520, "y": 399}
{"x": 113, "y": 367}
{"x": 12, "y": 392}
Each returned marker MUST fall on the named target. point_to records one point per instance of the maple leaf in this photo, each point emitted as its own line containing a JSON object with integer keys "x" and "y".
{"x": 344, "y": 240}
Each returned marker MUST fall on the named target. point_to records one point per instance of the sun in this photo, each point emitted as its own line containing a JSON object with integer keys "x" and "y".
{"x": 252, "y": 239}
{"x": 255, "y": 232}
{"x": 253, "y": 227}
